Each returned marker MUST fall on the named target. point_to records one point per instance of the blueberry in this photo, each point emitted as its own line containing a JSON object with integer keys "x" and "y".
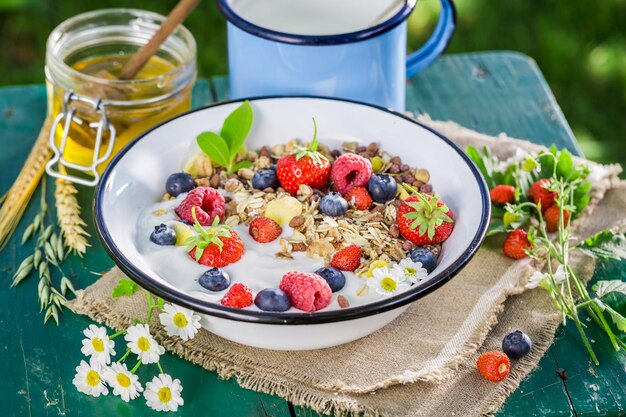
{"x": 334, "y": 277}
{"x": 163, "y": 235}
{"x": 516, "y": 344}
{"x": 382, "y": 188}
{"x": 425, "y": 256}
{"x": 272, "y": 299}
{"x": 333, "y": 204}
{"x": 265, "y": 178}
{"x": 180, "y": 182}
{"x": 214, "y": 280}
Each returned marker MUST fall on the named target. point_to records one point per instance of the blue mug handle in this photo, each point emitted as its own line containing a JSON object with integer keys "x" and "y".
{"x": 437, "y": 42}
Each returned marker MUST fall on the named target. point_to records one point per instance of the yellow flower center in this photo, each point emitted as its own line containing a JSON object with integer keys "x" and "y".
{"x": 92, "y": 378}
{"x": 180, "y": 320}
{"x": 411, "y": 272}
{"x": 374, "y": 265}
{"x": 98, "y": 344}
{"x": 143, "y": 344}
{"x": 123, "y": 380}
{"x": 388, "y": 284}
{"x": 165, "y": 395}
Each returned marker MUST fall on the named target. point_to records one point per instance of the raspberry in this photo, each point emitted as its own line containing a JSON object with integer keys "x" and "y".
{"x": 347, "y": 259}
{"x": 502, "y": 194}
{"x": 516, "y": 243}
{"x": 231, "y": 251}
{"x": 551, "y": 216}
{"x": 359, "y": 198}
{"x": 493, "y": 365}
{"x": 209, "y": 203}
{"x": 351, "y": 170}
{"x": 540, "y": 194}
{"x": 238, "y": 296}
{"x": 308, "y": 292}
{"x": 264, "y": 230}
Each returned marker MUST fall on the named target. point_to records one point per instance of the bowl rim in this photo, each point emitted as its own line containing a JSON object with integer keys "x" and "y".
{"x": 351, "y": 313}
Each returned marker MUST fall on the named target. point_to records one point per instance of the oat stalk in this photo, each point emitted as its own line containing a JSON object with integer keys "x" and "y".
{"x": 17, "y": 198}
{"x": 69, "y": 217}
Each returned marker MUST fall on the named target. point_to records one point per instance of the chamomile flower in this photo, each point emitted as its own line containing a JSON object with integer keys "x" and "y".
{"x": 89, "y": 380}
{"x": 180, "y": 321}
{"x": 412, "y": 271}
{"x": 538, "y": 279}
{"x": 97, "y": 344}
{"x": 387, "y": 281}
{"x": 163, "y": 393}
{"x": 141, "y": 343}
{"x": 124, "y": 383}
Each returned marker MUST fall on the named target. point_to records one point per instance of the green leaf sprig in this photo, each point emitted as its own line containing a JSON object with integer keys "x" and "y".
{"x": 224, "y": 148}
{"x": 206, "y": 236}
{"x": 125, "y": 288}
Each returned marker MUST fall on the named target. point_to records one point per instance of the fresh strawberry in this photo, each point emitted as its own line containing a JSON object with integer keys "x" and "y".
{"x": 424, "y": 219}
{"x": 351, "y": 170}
{"x": 347, "y": 259}
{"x": 304, "y": 166}
{"x": 263, "y": 229}
{"x": 551, "y": 216}
{"x": 516, "y": 243}
{"x": 502, "y": 194}
{"x": 359, "y": 198}
{"x": 493, "y": 365}
{"x": 238, "y": 296}
{"x": 540, "y": 194}
{"x": 216, "y": 245}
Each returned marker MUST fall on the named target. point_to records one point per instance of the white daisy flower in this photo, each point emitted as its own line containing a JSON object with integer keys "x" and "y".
{"x": 180, "y": 321}
{"x": 141, "y": 343}
{"x": 88, "y": 378}
{"x": 124, "y": 383}
{"x": 97, "y": 344}
{"x": 387, "y": 281}
{"x": 412, "y": 271}
{"x": 163, "y": 394}
{"x": 538, "y": 279}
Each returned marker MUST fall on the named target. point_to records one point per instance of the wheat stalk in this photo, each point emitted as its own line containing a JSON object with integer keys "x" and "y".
{"x": 17, "y": 198}
{"x": 68, "y": 216}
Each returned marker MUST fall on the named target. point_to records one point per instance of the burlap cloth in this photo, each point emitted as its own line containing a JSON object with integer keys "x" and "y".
{"x": 422, "y": 364}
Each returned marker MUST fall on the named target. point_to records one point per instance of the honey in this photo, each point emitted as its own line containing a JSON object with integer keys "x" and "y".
{"x": 97, "y": 114}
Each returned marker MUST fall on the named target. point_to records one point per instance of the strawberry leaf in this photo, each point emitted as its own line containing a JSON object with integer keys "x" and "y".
{"x": 215, "y": 147}
{"x": 603, "y": 288}
{"x": 604, "y": 245}
{"x": 125, "y": 288}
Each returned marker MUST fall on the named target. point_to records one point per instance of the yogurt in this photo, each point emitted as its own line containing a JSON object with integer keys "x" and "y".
{"x": 258, "y": 268}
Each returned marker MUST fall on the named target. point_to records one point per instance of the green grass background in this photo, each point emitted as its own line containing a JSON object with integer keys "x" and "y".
{"x": 580, "y": 45}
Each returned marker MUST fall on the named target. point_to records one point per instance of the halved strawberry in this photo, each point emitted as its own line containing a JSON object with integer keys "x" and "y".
{"x": 424, "y": 219}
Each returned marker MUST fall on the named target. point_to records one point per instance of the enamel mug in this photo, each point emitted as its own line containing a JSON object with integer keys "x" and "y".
{"x": 351, "y": 49}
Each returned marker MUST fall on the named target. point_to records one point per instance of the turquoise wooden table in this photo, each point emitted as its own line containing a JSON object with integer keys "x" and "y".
{"x": 488, "y": 92}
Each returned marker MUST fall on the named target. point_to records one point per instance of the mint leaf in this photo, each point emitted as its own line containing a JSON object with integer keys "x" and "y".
{"x": 603, "y": 288}
{"x": 236, "y": 127}
{"x": 604, "y": 245}
{"x": 215, "y": 147}
{"x": 125, "y": 287}
{"x": 241, "y": 164}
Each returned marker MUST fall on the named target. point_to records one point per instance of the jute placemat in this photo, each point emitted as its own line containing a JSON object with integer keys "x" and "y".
{"x": 423, "y": 362}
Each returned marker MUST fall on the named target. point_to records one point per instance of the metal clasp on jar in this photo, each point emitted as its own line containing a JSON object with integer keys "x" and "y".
{"x": 67, "y": 116}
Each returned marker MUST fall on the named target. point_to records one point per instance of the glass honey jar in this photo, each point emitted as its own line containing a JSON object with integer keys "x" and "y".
{"x": 94, "y": 113}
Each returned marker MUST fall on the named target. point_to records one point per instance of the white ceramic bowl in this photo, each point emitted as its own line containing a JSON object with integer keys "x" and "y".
{"x": 135, "y": 178}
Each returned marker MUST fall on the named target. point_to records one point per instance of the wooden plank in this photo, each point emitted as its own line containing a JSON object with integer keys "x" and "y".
{"x": 39, "y": 361}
